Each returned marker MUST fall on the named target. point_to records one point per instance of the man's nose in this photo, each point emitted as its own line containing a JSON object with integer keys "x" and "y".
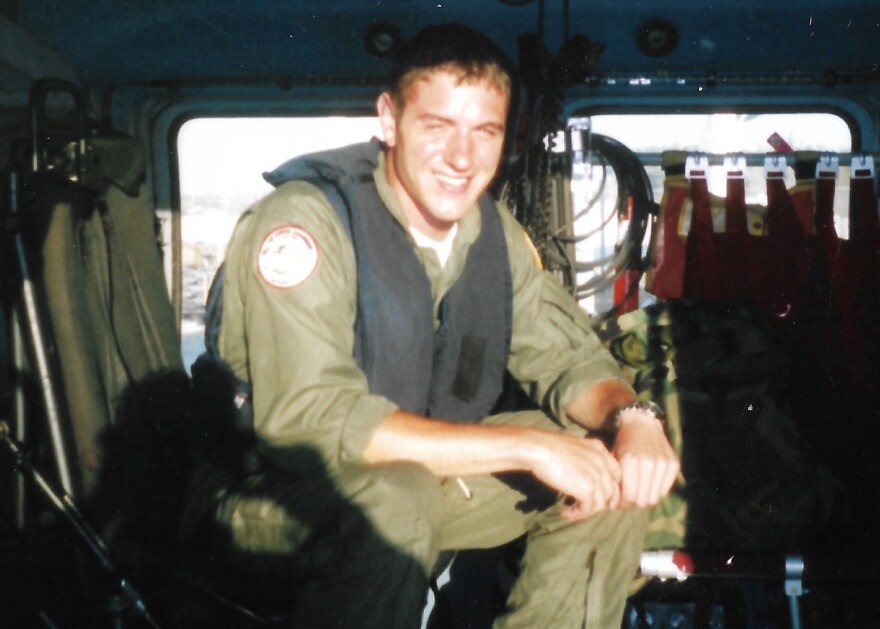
{"x": 459, "y": 151}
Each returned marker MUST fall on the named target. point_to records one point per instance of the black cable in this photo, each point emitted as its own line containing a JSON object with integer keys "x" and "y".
{"x": 530, "y": 195}
{"x": 592, "y": 202}
{"x": 632, "y": 183}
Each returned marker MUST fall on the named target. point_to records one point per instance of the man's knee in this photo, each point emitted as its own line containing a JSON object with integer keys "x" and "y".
{"x": 632, "y": 521}
{"x": 617, "y": 526}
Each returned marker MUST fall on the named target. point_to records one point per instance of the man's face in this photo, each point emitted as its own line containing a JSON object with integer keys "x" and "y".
{"x": 444, "y": 147}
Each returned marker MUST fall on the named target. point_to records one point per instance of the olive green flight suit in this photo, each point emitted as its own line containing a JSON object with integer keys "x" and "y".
{"x": 365, "y": 538}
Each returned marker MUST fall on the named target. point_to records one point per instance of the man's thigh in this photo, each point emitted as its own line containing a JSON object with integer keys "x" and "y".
{"x": 483, "y": 511}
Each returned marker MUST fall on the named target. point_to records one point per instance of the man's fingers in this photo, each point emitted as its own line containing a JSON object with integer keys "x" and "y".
{"x": 663, "y": 479}
{"x": 647, "y": 461}
{"x": 597, "y": 486}
{"x": 583, "y": 509}
{"x": 646, "y": 480}
{"x": 600, "y": 492}
{"x": 640, "y": 481}
{"x": 597, "y": 474}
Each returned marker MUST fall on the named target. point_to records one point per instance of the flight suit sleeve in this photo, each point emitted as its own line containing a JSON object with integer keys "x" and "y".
{"x": 289, "y": 306}
{"x": 554, "y": 352}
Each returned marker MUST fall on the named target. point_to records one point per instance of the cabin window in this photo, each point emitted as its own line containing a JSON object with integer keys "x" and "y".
{"x": 594, "y": 189}
{"x": 221, "y": 163}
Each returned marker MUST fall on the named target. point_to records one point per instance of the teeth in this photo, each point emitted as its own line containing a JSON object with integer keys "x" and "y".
{"x": 452, "y": 181}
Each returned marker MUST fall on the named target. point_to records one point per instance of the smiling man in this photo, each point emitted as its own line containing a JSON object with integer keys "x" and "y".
{"x": 371, "y": 307}
{"x": 445, "y": 135}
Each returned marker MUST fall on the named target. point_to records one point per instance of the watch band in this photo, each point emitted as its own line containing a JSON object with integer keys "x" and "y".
{"x": 640, "y": 406}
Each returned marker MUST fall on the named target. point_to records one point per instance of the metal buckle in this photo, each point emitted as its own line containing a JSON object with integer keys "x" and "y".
{"x": 696, "y": 166}
{"x": 862, "y": 167}
{"x": 735, "y": 166}
{"x": 774, "y": 166}
{"x": 828, "y": 167}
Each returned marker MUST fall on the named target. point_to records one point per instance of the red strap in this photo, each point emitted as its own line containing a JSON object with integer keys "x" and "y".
{"x": 786, "y": 261}
{"x": 733, "y": 247}
{"x": 669, "y": 251}
{"x": 857, "y": 281}
{"x": 703, "y": 278}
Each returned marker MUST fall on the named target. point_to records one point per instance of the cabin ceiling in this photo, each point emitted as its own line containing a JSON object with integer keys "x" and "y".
{"x": 135, "y": 41}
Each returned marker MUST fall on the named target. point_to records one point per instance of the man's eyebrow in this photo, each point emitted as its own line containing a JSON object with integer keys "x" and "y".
{"x": 429, "y": 117}
{"x": 491, "y": 124}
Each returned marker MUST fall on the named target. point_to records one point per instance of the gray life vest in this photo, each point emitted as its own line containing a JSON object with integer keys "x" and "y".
{"x": 455, "y": 371}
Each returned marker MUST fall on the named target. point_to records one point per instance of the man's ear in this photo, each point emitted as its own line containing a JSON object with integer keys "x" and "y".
{"x": 387, "y": 117}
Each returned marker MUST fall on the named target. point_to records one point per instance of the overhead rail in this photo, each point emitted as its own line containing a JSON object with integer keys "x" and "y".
{"x": 712, "y": 79}
{"x": 759, "y": 159}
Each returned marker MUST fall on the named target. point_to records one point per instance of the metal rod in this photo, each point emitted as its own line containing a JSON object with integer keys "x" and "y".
{"x": 19, "y": 410}
{"x": 757, "y": 159}
{"x": 794, "y": 587}
{"x": 724, "y": 78}
{"x": 47, "y": 388}
{"x": 65, "y": 506}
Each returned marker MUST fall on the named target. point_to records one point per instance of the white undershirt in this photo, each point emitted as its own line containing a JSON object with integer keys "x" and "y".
{"x": 441, "y": 247}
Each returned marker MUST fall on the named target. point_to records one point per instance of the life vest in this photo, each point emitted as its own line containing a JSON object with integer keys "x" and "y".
{"x": 454, "y": 370}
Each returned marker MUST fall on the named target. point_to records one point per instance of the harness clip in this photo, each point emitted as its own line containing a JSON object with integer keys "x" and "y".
{"x": 862, "y": 167}
{"x": 828, "y": 166}
{"x": 774, "y": 166}
{"x": 735, "y": 166}
{"x": 696, "y": 167}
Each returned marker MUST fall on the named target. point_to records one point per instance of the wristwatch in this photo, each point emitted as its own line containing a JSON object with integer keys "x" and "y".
{"x": 641, "y": 407}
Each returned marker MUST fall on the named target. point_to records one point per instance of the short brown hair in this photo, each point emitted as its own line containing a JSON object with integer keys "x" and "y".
{"x": 453, "y": 48}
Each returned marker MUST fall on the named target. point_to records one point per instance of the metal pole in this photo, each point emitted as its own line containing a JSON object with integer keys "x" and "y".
{"x": 41, "y": 358}
{"x": 20, "y": 410}
{"x": 794, "y": 587}
{"x": 66, "y": 507}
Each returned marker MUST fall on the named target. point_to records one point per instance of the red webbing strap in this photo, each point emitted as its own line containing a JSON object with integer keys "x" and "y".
{"x": 814, "y": 328}
{"x": 669, "y": 247}
{"x": 864, "y": 220}
{"x": 626, "y": 291}
{"x": 732, "y": 247}
{"x": 857, "y": 275}
{"x": 760, "y": 265}
{"x": 701, "y": 273}
{"x": 804, "y": 209}
{"x": 786, "y": 259}
{"x": 825, "y": 233}
{"x": 823, "y": 247}
{"x": 820, "y": 335}
{"x": 803, "y": 195}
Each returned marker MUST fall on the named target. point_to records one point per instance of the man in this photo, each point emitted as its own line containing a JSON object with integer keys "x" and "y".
{"x": 372, "y": 304}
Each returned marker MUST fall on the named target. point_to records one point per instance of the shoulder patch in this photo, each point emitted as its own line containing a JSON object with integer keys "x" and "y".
{"x": 288, "y": 255}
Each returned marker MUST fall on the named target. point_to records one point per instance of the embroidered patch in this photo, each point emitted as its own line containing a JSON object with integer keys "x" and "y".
{"x": 287, "y": 256}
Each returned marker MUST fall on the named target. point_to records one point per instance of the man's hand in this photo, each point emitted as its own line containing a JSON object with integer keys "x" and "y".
{"x": 648, "y": 464}
{"x": 581, "y": 469}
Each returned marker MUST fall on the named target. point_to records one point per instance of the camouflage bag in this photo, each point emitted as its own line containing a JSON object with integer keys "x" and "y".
{"x": 641, "y": 342}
